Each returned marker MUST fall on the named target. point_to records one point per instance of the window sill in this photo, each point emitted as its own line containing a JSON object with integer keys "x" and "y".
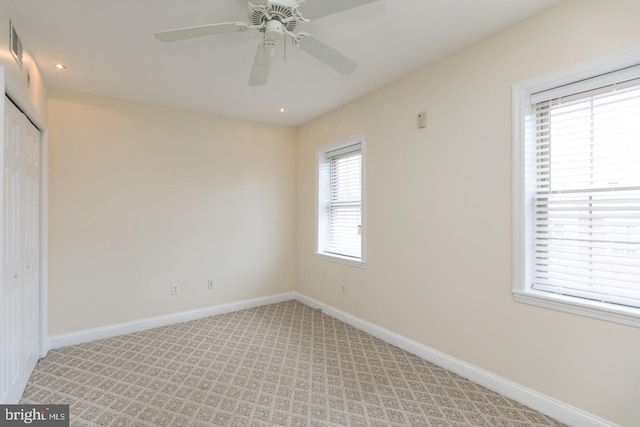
{"x": 618, "y": 314}
{"x": 341, "y": 260}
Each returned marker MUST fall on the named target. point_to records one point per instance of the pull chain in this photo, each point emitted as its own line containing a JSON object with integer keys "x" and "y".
{"x": 285, "y": 47}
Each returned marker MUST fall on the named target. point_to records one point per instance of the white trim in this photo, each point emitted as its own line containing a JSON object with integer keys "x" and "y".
{"x": 341, "y": 259}
{"x": 554, "y": 408}
{"x": 23, "y": 103}
{"x": 608, "y": 63}
{"x": 578, "y": 86}
{"x": 599, "y": 310}
{"x": 87, "y": 335}
{"x": 344, "y": 149}
{"x": 522, "y": 225}
{"x": 44, "y": 242}
{"x": 321, "y": 158}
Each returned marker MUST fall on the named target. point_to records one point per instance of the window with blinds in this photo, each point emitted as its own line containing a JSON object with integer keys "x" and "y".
{"x": 340, "y": 202}
{"x": 344, "y": 208}
{"x": 586, "y": 200}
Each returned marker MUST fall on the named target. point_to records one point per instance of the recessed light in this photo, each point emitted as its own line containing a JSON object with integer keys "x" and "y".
{"x": 60, "y": 67}
{"x": 282, "y": 110}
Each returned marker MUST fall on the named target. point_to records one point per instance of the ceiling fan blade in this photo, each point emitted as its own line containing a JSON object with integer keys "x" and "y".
{"x": 200, "y": 31}
{"x": 245, "y": 3}
{"x": 314, "y": 9}
{"x": 262, "y": 63}
{"x": 326, "y": 54}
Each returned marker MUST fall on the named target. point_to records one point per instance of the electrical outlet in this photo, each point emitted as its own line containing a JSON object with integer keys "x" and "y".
{"x": 210, "y": 284}
{"x": 175, "y": 288}
{"x": 343, "y": 288}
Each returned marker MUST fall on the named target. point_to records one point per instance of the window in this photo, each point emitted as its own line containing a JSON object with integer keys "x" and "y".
{"x": 340, "y": 205}
{"x": 577, "y": 195}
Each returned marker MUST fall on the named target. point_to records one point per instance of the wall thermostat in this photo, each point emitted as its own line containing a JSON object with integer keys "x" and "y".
{"x": 422, "y": 120}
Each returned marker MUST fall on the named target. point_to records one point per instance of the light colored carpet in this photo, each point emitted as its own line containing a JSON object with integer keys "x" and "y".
{"x": 284, "y": 364}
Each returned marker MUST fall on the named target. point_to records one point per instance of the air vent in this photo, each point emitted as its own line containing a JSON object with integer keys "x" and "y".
{"x": 16, "y": 45}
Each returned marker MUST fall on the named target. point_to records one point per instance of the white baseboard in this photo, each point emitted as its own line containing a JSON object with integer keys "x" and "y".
{"x": 531, "y": 398}
{"x": 87, "y": 335}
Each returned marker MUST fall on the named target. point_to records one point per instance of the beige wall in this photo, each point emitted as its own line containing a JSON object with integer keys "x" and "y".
{"x": 439, "y": 215}
{"x": 143, "y": 196}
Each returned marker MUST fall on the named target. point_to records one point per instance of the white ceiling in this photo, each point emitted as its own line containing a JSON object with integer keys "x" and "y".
{"x": 109, "y": 49}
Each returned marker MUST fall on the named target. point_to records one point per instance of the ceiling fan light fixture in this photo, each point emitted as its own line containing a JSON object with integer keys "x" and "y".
{"x": 273, "y": 30}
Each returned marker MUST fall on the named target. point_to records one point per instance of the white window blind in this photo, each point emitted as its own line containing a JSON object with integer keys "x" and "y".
{"x": 587, "y": 197}
{"x": 344, "y": 207}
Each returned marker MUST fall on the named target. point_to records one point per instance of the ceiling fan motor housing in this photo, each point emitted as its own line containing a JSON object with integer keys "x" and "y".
{"x": 273, "y": 14}
{"x": 274, "y": 30}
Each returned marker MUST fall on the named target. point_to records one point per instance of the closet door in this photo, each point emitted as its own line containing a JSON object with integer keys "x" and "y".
{"x": 31, "y": 242}
{"x": 20, "y": 295}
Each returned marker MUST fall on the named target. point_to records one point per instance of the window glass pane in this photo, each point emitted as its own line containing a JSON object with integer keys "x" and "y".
{"x": 587, "y": 202}
{"x": 344, "y": 236}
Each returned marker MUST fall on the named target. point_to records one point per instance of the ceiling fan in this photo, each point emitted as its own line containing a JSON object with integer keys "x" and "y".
{"x": 277, "y": 19}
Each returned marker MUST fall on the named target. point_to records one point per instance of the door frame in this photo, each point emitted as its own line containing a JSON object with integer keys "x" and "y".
{"x": 12, "y": 90}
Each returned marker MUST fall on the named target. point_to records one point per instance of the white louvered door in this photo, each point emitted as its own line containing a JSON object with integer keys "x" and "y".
{"x": 31, "y": 242}
{"x": 20, "y": 296}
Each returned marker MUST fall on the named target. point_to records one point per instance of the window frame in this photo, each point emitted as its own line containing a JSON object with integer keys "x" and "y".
{"x": 322, "y": 197}
{"x": 523, "y": 130}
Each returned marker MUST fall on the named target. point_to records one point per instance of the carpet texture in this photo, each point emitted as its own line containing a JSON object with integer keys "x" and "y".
{"x": 284, "y": 364}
